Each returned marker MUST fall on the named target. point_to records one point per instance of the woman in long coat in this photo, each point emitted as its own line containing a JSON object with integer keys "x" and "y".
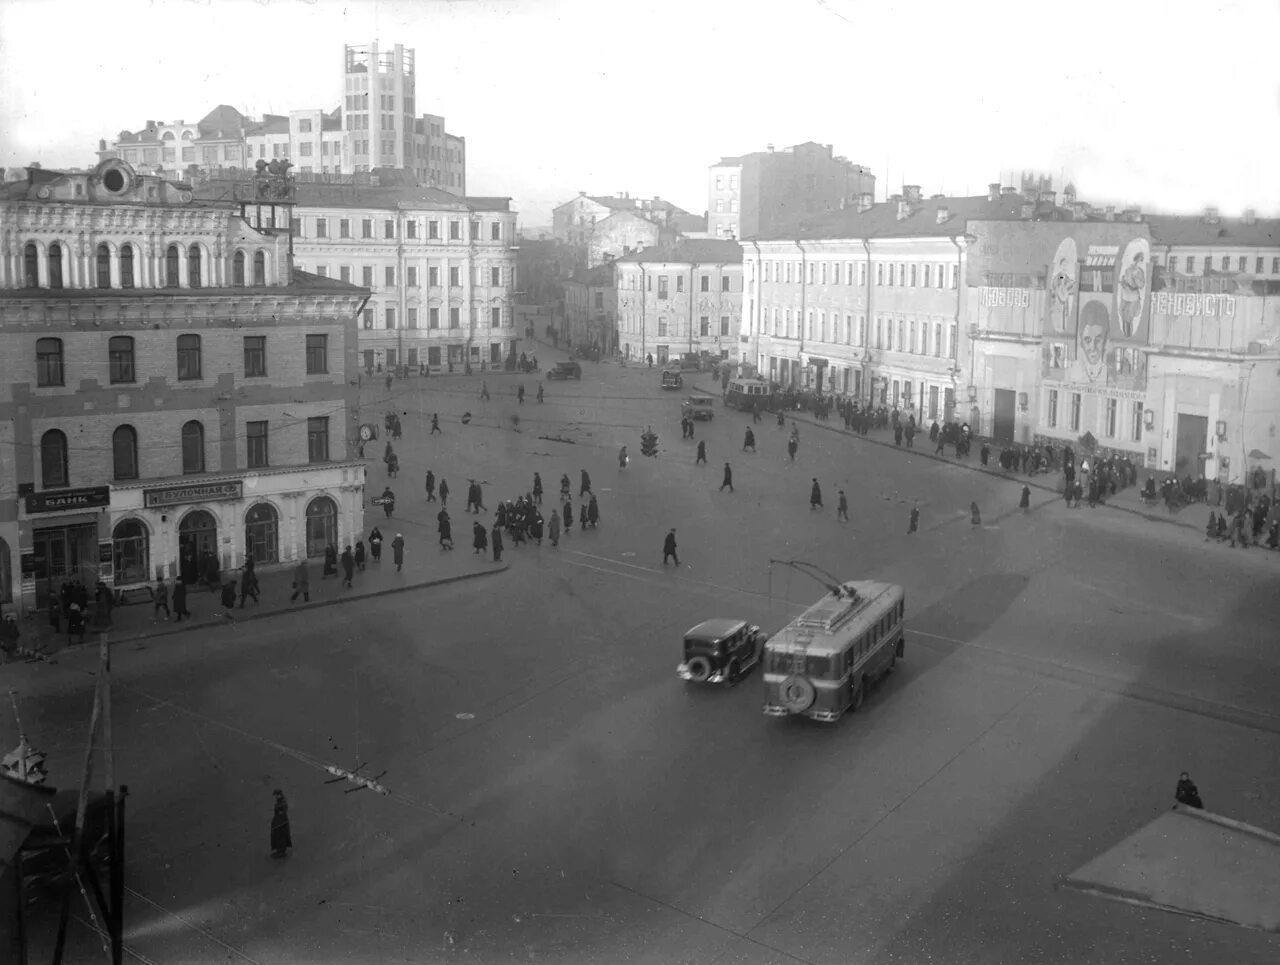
{"x": 553, "y": 528}
{"x": 397, "y": 550}
{"x": 445, "y": 529}
{"x": 281, "y": 836}
{"x": 479, "y": 538}
{"x": 593, "y": 512}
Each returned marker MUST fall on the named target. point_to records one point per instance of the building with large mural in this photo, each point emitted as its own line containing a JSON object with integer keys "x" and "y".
{"x": 172, "y": 390}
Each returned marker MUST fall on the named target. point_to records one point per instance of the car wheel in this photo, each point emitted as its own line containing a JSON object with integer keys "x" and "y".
{"x": 858, "y": 696}
{"x": 699, "y": 669}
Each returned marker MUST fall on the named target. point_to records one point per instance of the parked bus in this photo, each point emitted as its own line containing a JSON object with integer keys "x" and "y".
{"x": 747, "y": 394}
{"x": 823, "y": 661}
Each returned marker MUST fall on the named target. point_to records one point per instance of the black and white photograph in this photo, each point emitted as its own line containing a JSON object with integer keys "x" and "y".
{"x": 862, "y": 417}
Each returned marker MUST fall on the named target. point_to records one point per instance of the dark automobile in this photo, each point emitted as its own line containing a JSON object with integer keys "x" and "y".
{"x": 720, "y": 651}
{"x": 45, "y": 868}
{"x": 565, "y": 370}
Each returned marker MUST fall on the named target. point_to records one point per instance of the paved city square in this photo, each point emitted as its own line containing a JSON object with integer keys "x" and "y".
{"x": 556, "y": 794}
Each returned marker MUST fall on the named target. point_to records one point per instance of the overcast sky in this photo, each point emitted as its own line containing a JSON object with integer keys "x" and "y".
{"x": 1169, "y": 104}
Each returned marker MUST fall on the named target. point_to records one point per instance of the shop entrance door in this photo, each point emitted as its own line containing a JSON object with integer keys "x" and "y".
{"x": 1193, "y": 431}
{"x": 1002, "y": 415}
{"x": 197, "y": 538}
{"x": 63, "y": 554}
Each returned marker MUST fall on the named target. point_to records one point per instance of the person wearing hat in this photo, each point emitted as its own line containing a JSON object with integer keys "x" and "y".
{"x": 669, "y": 548}
{"x": 281, "y": 837}
{"x": 397, "y": 551}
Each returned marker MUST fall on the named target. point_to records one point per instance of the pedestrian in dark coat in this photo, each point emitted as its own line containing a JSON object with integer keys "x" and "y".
{"x": 397, "y": 551}
{"x": 593, "y": 512}
{"x": 728, "y": 478}
{"x": 435, "y": 423}
{"x": 897, "y": 433}
{"x": 568, "y": 517}
{"x": 445, "y": 529}
{"x": 301, "y": 582}
{"x": 1025, "y": 502}
{"x": 749, "y": 440}
{"x": 537, "y": 488}
{"x": 975, "y": 517}
{"x": 431, "y": 486}
{"x": 914, "y": 521}
{"x": 984, "y": 453}
{"x": 388, "y": 502}
{"x": 180, "y": 601}
{"x": 583, "y": 517}
{"x": 702, "y": 452}
{"x": 842, "y": 507}
{"x": 375, "y": 544}
{"x": 229, "y": 595}
{"x": 1186, "y": 792}
{"x": 496, "y": 537}
{"x": 553, "y": 528}
{"x": 535, "y": 527}
{"x": 249, "y": 583}
{"x": 360, "y": 555}
{"x": 792, "y": 446}
{"x": 669, "y": 548}
{"x": 281, "y": 835}
{"x": 479, "y": 538}
{"x": 348, "y": 565}
{"x": 586, "y": 484}
{"x": 444, "y": 492}
{"x": 815, "y": 495}
{"x": 330, "y": 562}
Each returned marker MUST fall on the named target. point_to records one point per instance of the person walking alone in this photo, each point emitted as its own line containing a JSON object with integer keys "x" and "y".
{"x": 702, "y": 452}
{"x": 815, "y": 495}
{"x": 842, "y": 507}
{"x": 444, "y": 492}
{"x": 479, "y": 538}
{"x": 496, "y": 540}
{"x": 435, "y": 424}
{"x": 669, "y": 548}
{"x": 348, "y": 565}
{"x": 397, "y": 551}
{"x": 180, "y": 601}
{"x": 360, "y": 555}
{"x": 728, "y": 478}
{"x": 1024, "y": 503}
{"x": 914, "y": 522}
{"x": 301, "y": 582}
{"x": 553, "y": 528}
{"x": 281, "y": 836}
{"x": 431, "y": 486}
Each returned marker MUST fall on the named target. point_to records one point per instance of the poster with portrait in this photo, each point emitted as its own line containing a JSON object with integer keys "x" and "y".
{"x": 1064, "y": 272}
{"x": 1132, "y": 289}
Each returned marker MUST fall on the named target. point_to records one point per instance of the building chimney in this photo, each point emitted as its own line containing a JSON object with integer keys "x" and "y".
{"x": 911, "y": 192}
{"x": 993, "y": 191}
{"x": 866, "y": 201}
{"x": 1250, "y": 216}
{"x": 1027, "y": 211}
{"x": 1007, "y": 191}
{"x": 944, "y": 213}
{"x": 1211, "y": 216}
{"x": 1110, "y": 213}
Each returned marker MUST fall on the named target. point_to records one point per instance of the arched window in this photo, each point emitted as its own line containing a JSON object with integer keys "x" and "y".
{"x": 186, "y": 135}
{"x": 192, "y": 447}
{"x": 261, "y": 534}
{"x": 130, "y": 552}
{"x": 193, "y": 266}
{"x": 53, "y": 459}
{"x": 55, "y": 265}
{"x": 322, "y": 525}
{"x": 30, "y": 266}
{"x": 104, "y": 266}
{"x": 260, "y": 268}
{"x": 124, "y": 452}
{"x": 126, "y": 266}
{"x": 167, "y": 136}
{"x": 237, "y": 270}
{"x": 172, "y": 257}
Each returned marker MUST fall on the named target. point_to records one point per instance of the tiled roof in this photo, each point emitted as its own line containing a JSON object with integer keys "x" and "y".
{"x": 306, "y": 279}
{"x": 222, "y": 118}
{"x": 1173, "y": 229}
{"x": 270, "y": 124}
{"x": 881, "y": 220}
{"x": 700, "y": 250}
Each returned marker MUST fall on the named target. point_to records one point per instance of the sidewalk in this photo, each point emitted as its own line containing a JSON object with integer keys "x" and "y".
{"x": 425, "y": 565}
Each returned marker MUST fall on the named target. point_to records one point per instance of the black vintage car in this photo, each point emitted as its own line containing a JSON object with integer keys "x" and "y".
{"x": 720, "y": 651}
{"x": 565, "y": 370}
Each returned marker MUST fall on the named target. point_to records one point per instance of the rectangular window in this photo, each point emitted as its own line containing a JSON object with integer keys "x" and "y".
{"x": 662, "y": 286}
{"x": 955, "y": 276}
{"x": 433, "y": 230}
{"x": 367, "y": 317}
{"x": 389, "y": 275}
{"x": 1275, "y": 266}
{"x": 322, "y": 228}
{"x": 388, "y": 229}
{"x": 1111, "y": 418}
{"x": 411, "y": 228}
{"x": 705, "y": 283}
{"x": 1240, "y": 264}
{"x": 455, "y": 318}
{"x": 495, "y": 231}
{"x": 344, "y": 227}
{"x": 412, "y": 280}
{"x": 255, "y": 356}
{"x": 120, "y": 359}
{"x": 318, "y": 439}
{"x": 1191, "y": 264}
{"x": 495, "y": 277}
{"x": 475, "y": 231}
{"x": 433, "y": 318}
{"x": 256, "y": 452}
{"x": 344, "y": 273}
{"x": 879, "y": 273}
{"x": 366, "y": 276}
{"x": 390, "y": 314}
{"x": 1173, "y": 263}
{"x": 410, "y": 318}
{"x": 1226, "y": 262}
{"x": 913, "y": 276}
{"x": 953, "y": 333}
{"x": 495, "y": 318}
{"x": 1053, "y": 408}
{"x": 704, "y": 325}
{"x": 188, "y": 356}
{"x": 662, "y": 327}
{"x": 679, "y": 283}
{"x": 366, "y": 228}
{"x": 924, "y": 276}
{"x": 1137, "y": 422}
{"x": 433, "y": 277}
{"x": 455, "y": 277}
{"x": 724, "y": 324}
{"x": 295, "y": 227}
{"x": 1257, "y": 266}
{"x": 1075, "y": 411}
{"x": 317, "y": 354}
{"x": 455, "y": 230}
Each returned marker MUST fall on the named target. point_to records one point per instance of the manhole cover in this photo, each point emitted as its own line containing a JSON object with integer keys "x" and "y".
{"x": 465, "y": 716}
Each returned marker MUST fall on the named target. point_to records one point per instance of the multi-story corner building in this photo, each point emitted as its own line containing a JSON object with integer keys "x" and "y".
{"x": 172, "y": 389}
{"x": 682, "y": 299}
{"x": 374, "y": 128}
{"x": 591, "y": 309}
{"x": 441, "y": 270}
{"x": 771, "y": 191}
{"x": 600, "y": 227}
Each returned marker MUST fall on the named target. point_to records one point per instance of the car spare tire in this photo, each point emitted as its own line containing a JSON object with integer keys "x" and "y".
{"x": 797, "y": 694}
{"x": 699, "y": 669}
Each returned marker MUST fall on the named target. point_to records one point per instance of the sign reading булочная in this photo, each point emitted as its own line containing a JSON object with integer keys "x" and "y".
{"x": 193, "y": 493}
